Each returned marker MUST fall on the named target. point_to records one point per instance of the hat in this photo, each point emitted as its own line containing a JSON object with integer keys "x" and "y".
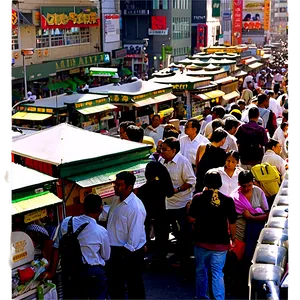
{"x": 38, "y": 229}
{"x": 254, "y": 99}
{"x": 236, "y": 111}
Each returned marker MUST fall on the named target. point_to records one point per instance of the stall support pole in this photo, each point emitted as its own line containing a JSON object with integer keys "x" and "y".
{"x": 188, "y": 104}
{"x": 64, "y": 198}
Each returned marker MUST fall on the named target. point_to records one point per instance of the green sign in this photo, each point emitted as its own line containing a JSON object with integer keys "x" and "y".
{"x": 168, "y": 49}
{"x": 216, "y": 8}
{"x": 82, "y": 61}
{"x": 101, "y": 73}
{"x": 91, "y": 103}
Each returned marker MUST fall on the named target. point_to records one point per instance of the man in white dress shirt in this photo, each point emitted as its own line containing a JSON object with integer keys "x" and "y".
{"x": 217, "y": 111}
{"x": 184, "y": 180}
{"x": 207, "y": 118}
{"x": 127, "y": 236}
{"x": 274, "y": 105}
{"x": 272, "y": 156}
{"x": 90, "y": 280}
{"x": 191, "y": 141}
{"x": 155, "y": 130}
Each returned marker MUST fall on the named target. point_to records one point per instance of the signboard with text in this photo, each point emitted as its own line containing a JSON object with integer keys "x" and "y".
{"x": 133, "y": 50}
{"x": 216, "y": 8}
{"x": 198, "y": 12}
{"x": 14, "y": 18}
{"x": 237, "y": 22}
{"x": 112, "y": 28}
{"x": 158, "y": 22}
{"x": 267, "y": 12}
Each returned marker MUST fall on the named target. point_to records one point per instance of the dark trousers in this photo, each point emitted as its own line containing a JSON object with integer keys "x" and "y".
{"x": 89, "y": 283}
{"x": 125, "y": 268}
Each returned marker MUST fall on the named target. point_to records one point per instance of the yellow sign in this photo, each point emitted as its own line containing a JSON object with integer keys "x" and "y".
{"x": 35, "y": 215}
{"x": 90, "y": 103}
{"x": 19, "y": 256}
{"x": 63, "y": 19}
{"x": 20, "y": 252}
{"x": 267, "y": 15}
{"x": 180, "y": 86}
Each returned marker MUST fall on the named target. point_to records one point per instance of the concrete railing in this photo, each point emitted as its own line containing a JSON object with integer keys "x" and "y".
{"x": 269, "y": 267}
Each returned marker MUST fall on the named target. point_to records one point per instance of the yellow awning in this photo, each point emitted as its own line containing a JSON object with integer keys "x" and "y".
{"x": 231, "y": 95}
{"x": 255, "y": 65}
{"x": 96, "y": 109}
{"x": 165, "y": 97}
{"x": 166, "y": 112}
{"x": 148, "y": 101}
{"x": 34, "y": 203}
{"x": 20, "y": 115}
{"x": 214, "y": 94}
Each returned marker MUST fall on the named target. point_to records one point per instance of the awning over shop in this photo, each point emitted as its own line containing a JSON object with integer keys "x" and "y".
{"x": 210, "y": 95}
{"x": 103, "y": 72}
{"x": 165, "y": 97}
{"x": 231, "y": 95}
{"x": 79, "y": 81}
{"x": 30, "y": 116}
{"x": 96, "y": 109}
{"x": 106, "y": 175}
{"x": 255, "y": 65}
{"x": 250, "y": 60}
{"x": 34, "y": 202}
{"x": 57, "y": 86}
{"x": 148, "y": 101}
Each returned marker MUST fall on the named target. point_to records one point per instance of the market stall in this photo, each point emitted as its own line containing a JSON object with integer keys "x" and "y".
{"x": 185, "y": 87}
{"x": 36, "y": 214}
{"x": 68, "y": 152}
{"x": 229, "y": 86}
{"x": 138, "y": 100}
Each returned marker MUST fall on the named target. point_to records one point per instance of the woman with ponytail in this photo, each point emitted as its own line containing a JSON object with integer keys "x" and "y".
{"x": 210, "y": 213}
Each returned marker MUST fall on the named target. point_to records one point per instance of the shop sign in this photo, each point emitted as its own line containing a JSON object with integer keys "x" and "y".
{"x": 158, "y": 32}
{"x": 180, "y": 86}
{"x": 22, "y": 249}
{"x": 159, "y": 23}
{"x": 136, "y": 11}
{"x": 105, "y": 190}
{"x": 90, "y": 127}
{"x": 119, "y": 98}
{"x": 35, "y": 215}
{"x": 226, "y": 15}
{"x": 133, "y": 50}
{"x": 237, "y": 22}
{"x": 199, "y": 12}
{"x": 91, "y": 103}
{"x": 119, "y": 53}
{"x": 112, "y": 28}
{"x": 36, "y": 109}
{"x": 216, "y": 8}
{"x": 76, "y": 62}
{"x": 67, "y": 17}
{"x": 199, "y": 84}
{"x": 267, "y": 11}
{"x": 14, "y": 18}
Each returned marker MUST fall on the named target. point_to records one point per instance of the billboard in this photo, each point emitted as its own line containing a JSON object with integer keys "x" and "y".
{"x": 237, "y": 22}
{"x": 111, "y": 28}
{"x": 198, "y": 12}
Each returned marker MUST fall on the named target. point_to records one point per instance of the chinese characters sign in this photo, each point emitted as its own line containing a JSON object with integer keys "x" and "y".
{"x": 237, "y": 22}
{"x": 67, "y": 17}
{"x": 267, "y": 15}
{"x": 253, "y": 15}
{"x": 14, "y": 18}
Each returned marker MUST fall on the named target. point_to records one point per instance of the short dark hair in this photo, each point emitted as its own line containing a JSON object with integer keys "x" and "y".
{"x": 195, "y": 124}
{"x": 173, "y": 143}
{"x": 125, "y": 124}
{"x": 271, "y": 143}
{"x": 245, "y": 176}
{"x": 172, "y": 132}
{"x": 285, "y": 114}
{"x": 212, "y": 179}
{"x": 218, "y": 135}
{"x": 155, "y": 116}
{"x": 92, "y": 203}
{"x": 261, "y": 98}
{"x": 283, "y": 124}
{"x": 234, "y": 154}
{"x": 135, "y": 133}
{"x": 241, "y": 101}
{"x": 216, "y": 123}
{"x": 128, "y": 177}
{"x": 229, "y": 123}
{"x": 253, "y": 113}
{"x": 219, "y": 110}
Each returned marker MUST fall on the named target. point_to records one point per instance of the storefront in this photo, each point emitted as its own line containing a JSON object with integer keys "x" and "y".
{"x": 36, "y": 214}
{"x": 184, "y": 87}
{"x": 138, "y": 101}
{"x": 229, "y": 86}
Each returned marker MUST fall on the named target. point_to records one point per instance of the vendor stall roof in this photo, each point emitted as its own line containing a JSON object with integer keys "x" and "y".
{"x": 64, "y": 143}
{"x": 250, "y": 60}
{"x": 106, "y": 175}
{"x": 179, "y": 78}
{"x": 22, "y": 177}
{"x": 96, "y": 109}
{"x": 211, "y": 95}
{"x": 132, "y": 88}
{"x": 34, "y": 202}
{"x": 20, "y": 115}
{"x": 226, "y": 79}
{"x": 255, "y": 65}
{"x": 231, "y": 95}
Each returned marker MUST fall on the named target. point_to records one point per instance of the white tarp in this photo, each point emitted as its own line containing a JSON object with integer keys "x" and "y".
{"x": 65, "y": 143}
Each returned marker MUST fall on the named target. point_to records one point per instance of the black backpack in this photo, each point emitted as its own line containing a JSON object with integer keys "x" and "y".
{"x": 70, "y": 250}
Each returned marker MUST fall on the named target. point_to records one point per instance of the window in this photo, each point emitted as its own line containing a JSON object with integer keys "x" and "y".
{"x": 42, "y": 38}
{"x": 72, "y": 36}
{"x": 84, "y": 35}
{"x": 57, "y": 37}
{"x": 14, "y": 39}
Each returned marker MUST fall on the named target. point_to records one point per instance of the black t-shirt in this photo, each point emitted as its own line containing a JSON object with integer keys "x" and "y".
{"x": 211, "y": 224}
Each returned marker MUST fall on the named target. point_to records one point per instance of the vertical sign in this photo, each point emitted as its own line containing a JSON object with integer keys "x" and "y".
{"x": 267, "y": 15}
{"x": 200, "y": 35}
{"x": 14, "y": 18}
{"x": 216, "y": 9}
{"x": 237, "y": 22}
{"x": 112, "y": 27}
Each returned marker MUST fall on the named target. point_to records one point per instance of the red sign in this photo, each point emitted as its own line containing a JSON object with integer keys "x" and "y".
{"x": 14, "y": 18}
{"x": 159, "y": 22}
{"x": 237, "y": 22}
{"x": 201, "y": 35}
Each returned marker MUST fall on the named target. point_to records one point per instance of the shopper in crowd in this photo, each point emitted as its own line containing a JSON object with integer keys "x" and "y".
{"x": 153, "y": 194}
{"x": 229, "y": 172}
{"x": 210, "y": 156}
{"x": 274, "y": 105}
{"x": 217, "y": 111}
{"x": 90, "y": 280}
{"x": 281, "y": 134}
{"x": 125, "y": 227}
{"x": 207, "y": 117}
{"x": 155, "y": 130}
{"x": 272, "y": 156}
{"x": 183, "y": 179}
{"x": 251, "y": 139}
{"x": 247, "y": 93}
{"x": 122, "y": 129}
{"x": 214, "y": 224}
{"x": 191, "y": 141}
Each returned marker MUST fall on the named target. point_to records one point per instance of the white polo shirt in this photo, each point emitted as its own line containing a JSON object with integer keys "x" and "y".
{"x": 275, "y": 160}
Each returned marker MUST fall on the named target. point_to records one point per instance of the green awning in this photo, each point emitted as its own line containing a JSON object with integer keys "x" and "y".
{"x": 107, "y": 175}
{"x": 39, "y": 71}
{"x": 57, "y": 86}
{"x": 71, "y": 83}
{"x": 79, "y": 81}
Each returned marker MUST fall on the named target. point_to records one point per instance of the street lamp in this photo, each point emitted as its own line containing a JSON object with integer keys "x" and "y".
{"x": 23, "y": 101}
{"x": 26, "y": 52}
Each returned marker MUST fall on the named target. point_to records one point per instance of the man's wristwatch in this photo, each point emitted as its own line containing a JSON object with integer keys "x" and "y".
{"x": 178, "y": 189}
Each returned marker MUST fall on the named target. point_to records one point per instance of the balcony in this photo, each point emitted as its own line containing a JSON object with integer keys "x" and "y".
{"x": 135, "y": 8}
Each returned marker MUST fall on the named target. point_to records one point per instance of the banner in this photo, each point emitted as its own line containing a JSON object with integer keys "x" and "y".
{"x": 216, "y": 8}
{"x": 267, "y": 15}
{"x": 14, "y": 18}
{"x": 158, "y": 22}
{"x": 201, "y": 31}
{"x": 112, "y": 28}
{"x": 198, "y": 12}
{"x": 237, "y": 22}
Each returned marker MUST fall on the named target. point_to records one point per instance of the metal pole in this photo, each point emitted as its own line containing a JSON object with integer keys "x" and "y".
{"x": 143, "y": 57}
{"x": 25, "y": 77}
